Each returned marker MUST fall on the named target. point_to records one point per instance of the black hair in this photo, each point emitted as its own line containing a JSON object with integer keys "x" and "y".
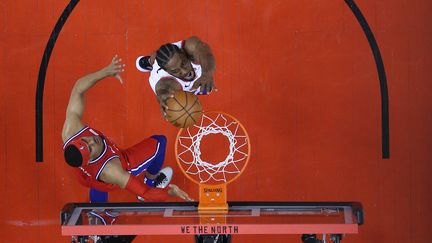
{"x": 165, "y": 53}
{"x": 73, "y": 156}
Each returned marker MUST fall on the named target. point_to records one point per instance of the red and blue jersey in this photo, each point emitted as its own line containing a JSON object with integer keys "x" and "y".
{"x": 88, "y": 174}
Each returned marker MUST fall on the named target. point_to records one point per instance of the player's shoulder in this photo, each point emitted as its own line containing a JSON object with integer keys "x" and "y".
{"x": 71, "y": 128}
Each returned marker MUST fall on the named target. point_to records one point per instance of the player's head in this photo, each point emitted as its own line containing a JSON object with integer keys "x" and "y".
{"x": 175, "y": 61}
{"x": 82, "y": 150}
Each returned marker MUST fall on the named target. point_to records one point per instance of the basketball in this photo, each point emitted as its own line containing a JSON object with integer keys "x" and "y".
{"x": 184, "y": 109}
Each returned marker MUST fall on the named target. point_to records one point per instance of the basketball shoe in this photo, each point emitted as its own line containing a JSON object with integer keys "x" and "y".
{"x": 143, "y": 64}
{"x": 162, "y": 180}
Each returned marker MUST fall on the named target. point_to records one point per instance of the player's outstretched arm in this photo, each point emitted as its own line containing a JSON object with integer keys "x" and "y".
{"x": 203, "y": 55}
{"x": 76, "y": 104}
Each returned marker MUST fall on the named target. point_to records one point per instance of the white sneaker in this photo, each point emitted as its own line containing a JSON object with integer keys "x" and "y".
{"x": 164, "y": 177}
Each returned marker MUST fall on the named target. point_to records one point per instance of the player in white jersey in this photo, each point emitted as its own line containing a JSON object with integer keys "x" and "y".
{"x": 186, "y": 65}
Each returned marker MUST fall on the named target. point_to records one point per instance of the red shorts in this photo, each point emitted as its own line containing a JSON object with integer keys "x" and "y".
{"x": 139, "y": 157}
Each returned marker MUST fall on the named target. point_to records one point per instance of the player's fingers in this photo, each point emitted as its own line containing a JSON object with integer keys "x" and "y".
{"x": 164, "y": 99}
{"x": 183, "y": 195}
{"x": 164, "y": 114}
{"x": 195, "y": 85}
{"x": 114, "y": 58}
{"x": 188, "y": 198}
{"x": 169, "y": 94}
{"x": 120, "y": 68}
{"x": 119, "y": 78}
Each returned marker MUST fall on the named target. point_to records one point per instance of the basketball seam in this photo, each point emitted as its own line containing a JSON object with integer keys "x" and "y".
{"x": 187, "y": 111}
{"x": 190, "y": 114}
{"x": 178, "y": 117}
{"x": 178, "y": 102}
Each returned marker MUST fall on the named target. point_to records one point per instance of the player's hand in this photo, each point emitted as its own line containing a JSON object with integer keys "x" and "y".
{"x": 162, "y": 98}
{"x": 175, "y": 191}
{"x": 205, "y": 83}
{"x": 115, "y": 68}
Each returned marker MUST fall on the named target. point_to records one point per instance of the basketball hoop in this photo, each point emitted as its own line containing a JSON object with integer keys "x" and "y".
{"x": 212, "y": 173}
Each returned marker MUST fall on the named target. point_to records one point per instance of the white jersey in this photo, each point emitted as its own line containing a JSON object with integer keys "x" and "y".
{"x": 158, "y": 73}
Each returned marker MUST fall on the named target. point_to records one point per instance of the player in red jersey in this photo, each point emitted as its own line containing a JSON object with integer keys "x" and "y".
{"x": 101, "y": 165}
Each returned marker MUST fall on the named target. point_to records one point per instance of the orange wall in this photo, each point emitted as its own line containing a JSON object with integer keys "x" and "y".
{"x": 298, "y": 74}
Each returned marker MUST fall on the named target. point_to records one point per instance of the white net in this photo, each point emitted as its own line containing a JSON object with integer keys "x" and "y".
{"x": 189, "y": 154}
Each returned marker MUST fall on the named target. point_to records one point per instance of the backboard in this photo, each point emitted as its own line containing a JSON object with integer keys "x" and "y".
{"x": 184, "y": 218}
